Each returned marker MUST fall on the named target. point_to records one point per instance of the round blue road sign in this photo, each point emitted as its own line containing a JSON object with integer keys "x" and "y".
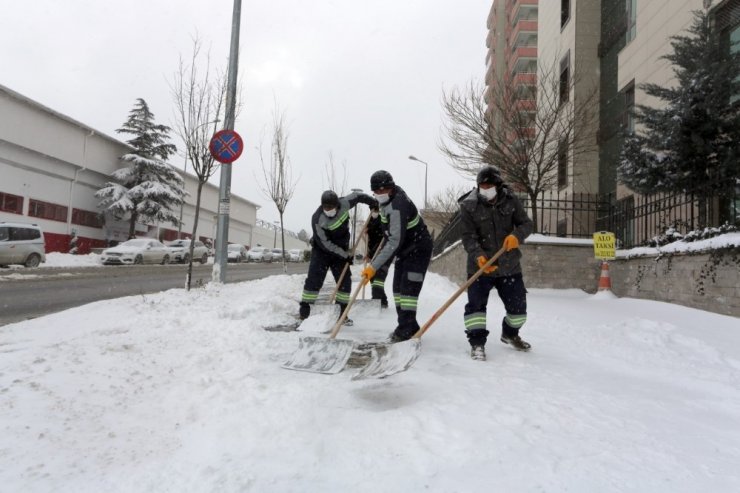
{"x": 226, "y": 146}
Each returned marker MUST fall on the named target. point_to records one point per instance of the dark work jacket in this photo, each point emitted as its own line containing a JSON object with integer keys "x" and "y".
{"x": 375, "y": 234}
{"x": 405, "y": 229}
{"x": 485, "y": 225}
{"x": 331, "y": 234}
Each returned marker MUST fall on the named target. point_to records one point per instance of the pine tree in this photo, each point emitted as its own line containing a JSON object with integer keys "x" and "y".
{"x": 147, "y": 189}
{"x": 689, "y": 143}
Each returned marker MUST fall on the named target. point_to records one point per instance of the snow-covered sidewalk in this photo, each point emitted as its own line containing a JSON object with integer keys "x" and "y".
{"x": 184, "y": 392}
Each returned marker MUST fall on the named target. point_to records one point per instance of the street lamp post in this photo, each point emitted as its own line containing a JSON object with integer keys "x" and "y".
{"x": 426, "y": 169}
{"x": 354, "y": 218}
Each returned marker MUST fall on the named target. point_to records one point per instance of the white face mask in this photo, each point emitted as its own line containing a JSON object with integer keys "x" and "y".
{"x": 374, "y": 215}
{"x": 331, "y": 213}
{"x": 488, "y": 194}
{"x": 382, "y": 198}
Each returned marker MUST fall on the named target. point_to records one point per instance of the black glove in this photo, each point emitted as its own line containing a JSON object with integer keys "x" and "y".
{"x": 349, "y": 259}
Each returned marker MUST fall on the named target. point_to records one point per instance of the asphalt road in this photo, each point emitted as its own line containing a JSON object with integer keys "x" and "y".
{"x": 30, "y": 293}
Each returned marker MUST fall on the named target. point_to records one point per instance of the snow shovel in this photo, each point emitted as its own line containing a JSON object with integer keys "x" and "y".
{"x": 325, "y": 354}
{"x": 387, "y": 359}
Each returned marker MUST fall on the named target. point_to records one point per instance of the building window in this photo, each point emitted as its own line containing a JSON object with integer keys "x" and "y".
{"x": 562, "y": 164}
{"x": 46, "y": 210}
{"x": 628, "y": 117}
{"x": 565, "y": 78}
{"x": 86, "y": 218}
{"x": 564, "y": 12}
{"x": 631, "y": 12}
{"x": 11, "y": 203}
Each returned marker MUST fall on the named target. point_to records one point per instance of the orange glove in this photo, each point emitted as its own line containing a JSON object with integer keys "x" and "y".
{"x": 482, "y": 261}
{"x": 368, "y": 272}
{"x": 511, "y": 242}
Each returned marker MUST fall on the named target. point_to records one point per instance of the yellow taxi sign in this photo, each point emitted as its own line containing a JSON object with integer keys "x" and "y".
{"x": 604, "y": 242}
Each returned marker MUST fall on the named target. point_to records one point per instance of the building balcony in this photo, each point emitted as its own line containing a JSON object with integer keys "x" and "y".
{"x": 524, "y": 27}
{"x": 527, "y": 79}
{"x": 524, "y": 10}
{"x": 522, "y": 53}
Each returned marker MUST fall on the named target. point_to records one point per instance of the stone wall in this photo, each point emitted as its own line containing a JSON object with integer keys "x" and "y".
{"x": 706, "y": 281}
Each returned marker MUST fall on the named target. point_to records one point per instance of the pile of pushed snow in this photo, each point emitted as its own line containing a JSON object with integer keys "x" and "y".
{"x": 57, "y": 259}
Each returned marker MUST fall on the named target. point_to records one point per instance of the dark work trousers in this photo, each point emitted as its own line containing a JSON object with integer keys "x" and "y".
{"x": 321, "y": 262}
{"x": 512, "y": 293}
{"x": 408, "y": 278}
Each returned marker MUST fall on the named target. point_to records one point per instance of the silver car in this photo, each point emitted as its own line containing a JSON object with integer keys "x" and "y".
{"x": 136, "y": 251}
{"x": 180, "y": 251}
{"x": 21, "y": 243}
{"x": 259, "y": 254}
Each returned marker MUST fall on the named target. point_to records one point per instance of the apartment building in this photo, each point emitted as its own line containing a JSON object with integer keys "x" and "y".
{"x": 511, "y": 60}
{"x": 610, "y": 47}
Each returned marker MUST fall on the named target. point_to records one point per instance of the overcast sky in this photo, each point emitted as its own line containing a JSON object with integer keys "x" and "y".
{"x": 360, "y": 79}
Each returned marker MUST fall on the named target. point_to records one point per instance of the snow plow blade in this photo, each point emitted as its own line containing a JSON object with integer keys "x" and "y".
{"x": 389, "y": 359}
{"x": 320, "y": 355}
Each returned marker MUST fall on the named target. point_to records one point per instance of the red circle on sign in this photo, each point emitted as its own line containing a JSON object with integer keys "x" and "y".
{"x": 226, "y": 146}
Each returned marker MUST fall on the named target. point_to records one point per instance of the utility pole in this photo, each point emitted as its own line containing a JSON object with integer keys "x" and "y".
{"x": 224, "y": 192}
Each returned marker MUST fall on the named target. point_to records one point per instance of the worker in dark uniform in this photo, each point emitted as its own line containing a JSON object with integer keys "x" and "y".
{"x": 411, "y": 245}
{"x": 375, "y": 235}
{"x": 493, "y": 217}
{"x": 331, "y": 250}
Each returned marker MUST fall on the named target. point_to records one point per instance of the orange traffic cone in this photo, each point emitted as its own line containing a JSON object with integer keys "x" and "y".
{"x": 605, "y": 282}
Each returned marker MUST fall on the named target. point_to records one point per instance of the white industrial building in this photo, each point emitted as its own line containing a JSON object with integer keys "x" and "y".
{"x": 51, "y": 166}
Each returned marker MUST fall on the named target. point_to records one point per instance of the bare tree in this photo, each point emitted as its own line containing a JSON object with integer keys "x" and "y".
{"x": 199, "y": 95}
{"x": 279, "y": 184}
{"x": 445, "y": 201}
{"x": 339, "y": 185}
{"x": 527, "y": 132}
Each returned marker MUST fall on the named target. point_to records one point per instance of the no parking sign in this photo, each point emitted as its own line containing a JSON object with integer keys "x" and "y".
{"x": 226, "y": 146}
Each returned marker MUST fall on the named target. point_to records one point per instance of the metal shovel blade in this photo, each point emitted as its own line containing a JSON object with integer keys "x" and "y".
{"x": 320, "y": 355}
{"x": 389, "y": 359}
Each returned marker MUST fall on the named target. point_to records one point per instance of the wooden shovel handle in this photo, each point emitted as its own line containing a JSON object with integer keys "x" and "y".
{"x": 346, "y": 265}
{"x": 462, "y": 288}
{"x": 343, "y": 316}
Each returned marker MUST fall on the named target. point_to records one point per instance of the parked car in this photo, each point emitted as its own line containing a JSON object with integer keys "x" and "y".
{"x": 136, "y": 251}
{"x": 259, "y": 254}
{"x": 278, "y": 255}
{"x": 21, "y": 243}
{"x": 295, "y": 255}
{"x": 180, "y": 251}
{"x": 236, "y": 253}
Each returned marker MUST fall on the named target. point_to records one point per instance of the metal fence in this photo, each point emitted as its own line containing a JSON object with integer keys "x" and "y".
{"x": 634, "y": 219}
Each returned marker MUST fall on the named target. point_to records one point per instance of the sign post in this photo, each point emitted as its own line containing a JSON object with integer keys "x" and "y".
{"x": 226, "y": 150}
{"x": 605, "y": 250}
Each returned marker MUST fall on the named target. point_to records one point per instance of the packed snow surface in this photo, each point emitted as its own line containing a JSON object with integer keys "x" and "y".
{"x": 184, "y": 392}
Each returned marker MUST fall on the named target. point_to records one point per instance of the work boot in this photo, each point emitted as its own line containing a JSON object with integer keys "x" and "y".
{"x": 304, "y": 311}
{"x": 516, "y": 342}
{"x": 398, "y": 336}
{"x": 348, "y": 322}
{"x": 478, "y": 353}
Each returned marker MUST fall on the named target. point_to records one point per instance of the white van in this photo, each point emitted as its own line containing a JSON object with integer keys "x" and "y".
{"x": 21, "y": 243}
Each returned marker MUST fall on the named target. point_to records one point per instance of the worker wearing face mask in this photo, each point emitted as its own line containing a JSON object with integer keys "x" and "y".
{"x": 408, "y": 240}
{"x": 492, "y": 217}
{"x": 331, "y": 250}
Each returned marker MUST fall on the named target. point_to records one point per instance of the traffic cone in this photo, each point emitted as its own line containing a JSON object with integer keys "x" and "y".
{"x": 605, "y": 282}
